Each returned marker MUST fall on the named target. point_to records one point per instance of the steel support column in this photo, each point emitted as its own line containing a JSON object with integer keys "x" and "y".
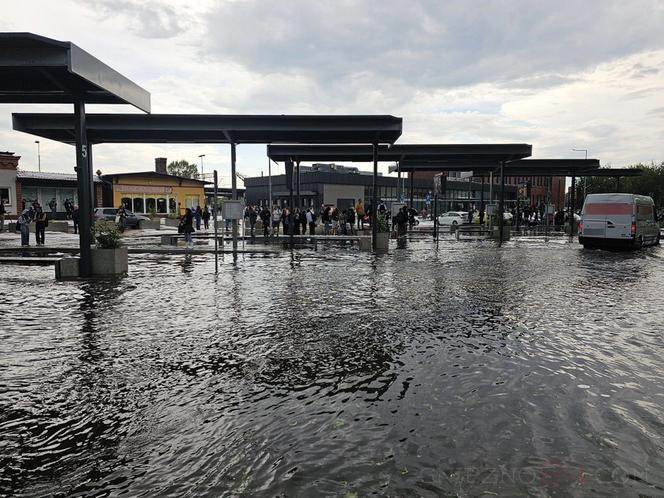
{"x": 234, "y": 192}
{"x": 501, "y": 203}
{"x": 291, "y": 217}
{"x": 411, "y": 174}
{"x": 572, "y": 202}
{"x": 374, "y": 197}
{"x": 299, "y": 201}
{"x": 482, "y": 193}
{"x": 216, "y": 225}
{"x": 85, "y": 190}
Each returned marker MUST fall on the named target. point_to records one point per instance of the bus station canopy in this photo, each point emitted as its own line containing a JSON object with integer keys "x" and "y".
{"x": 35, "y": 69}
{"x": 523, "y": 167}
{"x": 214, "y": 128}
{"x": 400, "y": 152}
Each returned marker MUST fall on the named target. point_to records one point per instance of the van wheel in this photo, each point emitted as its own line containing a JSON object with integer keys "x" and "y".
{"x": 638, "y": 243}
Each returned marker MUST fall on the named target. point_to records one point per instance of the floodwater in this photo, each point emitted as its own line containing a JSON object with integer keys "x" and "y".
{"x": 466, "y": 370}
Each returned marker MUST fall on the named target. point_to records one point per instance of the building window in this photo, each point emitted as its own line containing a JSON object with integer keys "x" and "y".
{"x": 5, "y": 196}
{"x": 172, "y": 206}
{"x": 161, "y": 205}
{"x": 126, "y": 203}
{"x": 150, "y": 205}
{"x": 138, "y": 205}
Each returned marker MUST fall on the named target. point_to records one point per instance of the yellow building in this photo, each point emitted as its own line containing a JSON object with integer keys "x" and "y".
{"x": 153, "y": 191}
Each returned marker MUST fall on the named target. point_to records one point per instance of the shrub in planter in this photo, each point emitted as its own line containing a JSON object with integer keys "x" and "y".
{"x": 106, "y": 234}
{"x": 109, "y": 258}
{"x": 381, "y": 225}
{"x": 382, "y": 235}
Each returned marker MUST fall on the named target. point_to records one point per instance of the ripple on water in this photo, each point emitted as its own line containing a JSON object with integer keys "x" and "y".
{"x": 530, "y": 369}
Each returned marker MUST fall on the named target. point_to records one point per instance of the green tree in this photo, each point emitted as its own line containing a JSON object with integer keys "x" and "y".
{"x": 651, "y": 183}
{"x": 183, "y": 168}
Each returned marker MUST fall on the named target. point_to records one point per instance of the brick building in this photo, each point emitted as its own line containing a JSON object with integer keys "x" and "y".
{"x": 533, "y": 188}
{"x": 19, "y": 188}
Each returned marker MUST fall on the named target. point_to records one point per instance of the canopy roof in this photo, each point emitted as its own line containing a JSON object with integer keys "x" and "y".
{"x": 35, "y": 69}
{"x": 211, "y": 128}
{"x": 523, "y": 167}
{"x": 400, "y": 152}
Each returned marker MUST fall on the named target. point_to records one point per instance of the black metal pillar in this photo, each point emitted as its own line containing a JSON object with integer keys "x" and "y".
{"x": 501, "y": 203}
{"x": 374, "y": 198}
{"x": 399, "y": 193}
{"x": 411, "y": 174}
{"x": 85, "y": 191}
{"x": 435, "y": 216}
{"x": 291, "y": 218}
{"x": 216, "y": 225}
{"x": 482, "y": 193}
{"x": 572, "y": 202}
{"x": 299, "y": 201}
{"x": 234, "y": 192}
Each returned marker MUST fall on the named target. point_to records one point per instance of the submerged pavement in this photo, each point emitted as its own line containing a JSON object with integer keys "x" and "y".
{"x": 459, "y": 369}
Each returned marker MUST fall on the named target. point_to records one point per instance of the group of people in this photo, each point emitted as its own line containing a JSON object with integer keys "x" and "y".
{"x": 35, "y": 213}
{"x": 296, "y": 222}
{"x": 193, "y": 217}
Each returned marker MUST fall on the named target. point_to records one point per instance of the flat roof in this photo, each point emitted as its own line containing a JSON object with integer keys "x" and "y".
{"x": 36, "y": 69}
{"x": 50, "y": 177}
{"x": 481, "y": 166}
{"x": 522, "y": 167}
{"x": 213, "y": 128}
{"x": 154, "y": 174}
{"x": 399, "y": 152}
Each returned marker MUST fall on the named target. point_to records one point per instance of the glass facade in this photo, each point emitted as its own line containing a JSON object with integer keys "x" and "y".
{"x": 44, "y": 195}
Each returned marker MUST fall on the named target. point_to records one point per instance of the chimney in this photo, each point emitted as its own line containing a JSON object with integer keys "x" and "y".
{"x": 8, "y": 160}
{"x": 160, "y": 165}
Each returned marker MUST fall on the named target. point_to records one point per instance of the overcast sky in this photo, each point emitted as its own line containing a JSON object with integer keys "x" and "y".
{"x": 556, "y": 74}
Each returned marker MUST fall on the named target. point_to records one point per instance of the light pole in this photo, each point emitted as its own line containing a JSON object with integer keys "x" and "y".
{"x": 38, "y": 156}
{"x": 585, "y": 178}
{"x": 201, "y": 158}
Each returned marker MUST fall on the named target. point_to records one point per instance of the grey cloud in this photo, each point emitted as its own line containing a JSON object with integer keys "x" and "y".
{"x": 429, "y": 43}
{"x": 147, "y": 19}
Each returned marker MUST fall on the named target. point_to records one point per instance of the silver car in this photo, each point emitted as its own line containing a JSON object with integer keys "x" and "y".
{"x": 109, "y": 213}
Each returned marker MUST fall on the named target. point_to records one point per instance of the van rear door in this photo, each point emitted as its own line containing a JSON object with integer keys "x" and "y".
{"x": 612, "y": 220}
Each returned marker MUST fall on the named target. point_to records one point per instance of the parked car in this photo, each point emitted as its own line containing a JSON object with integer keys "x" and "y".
{"x": 453, "y": 218}
{"x": 626, "y": 220}
{"x": 109, "y": 213}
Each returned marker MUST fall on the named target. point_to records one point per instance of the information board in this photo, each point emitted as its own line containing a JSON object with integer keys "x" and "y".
{"x": 232, "y": 210}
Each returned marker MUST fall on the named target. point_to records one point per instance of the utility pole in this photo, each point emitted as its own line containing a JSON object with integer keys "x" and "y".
{"x": 201, "y": 158}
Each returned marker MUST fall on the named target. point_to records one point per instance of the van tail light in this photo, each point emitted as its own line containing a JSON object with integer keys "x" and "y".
{"x": 633, "y": 231}
{"x": 580, "y": 226}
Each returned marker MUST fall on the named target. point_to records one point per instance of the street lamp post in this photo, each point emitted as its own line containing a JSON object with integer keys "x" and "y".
{"x": 201, "y": 158}
{"x": 38, "y": 156}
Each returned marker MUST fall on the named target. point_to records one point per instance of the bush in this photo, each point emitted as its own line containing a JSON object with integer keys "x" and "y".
{"x": 382, "y": 225}
{"x": 106, "y": 234}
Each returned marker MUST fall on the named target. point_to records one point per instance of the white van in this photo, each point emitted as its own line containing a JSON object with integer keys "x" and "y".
{"x": 626, "y": 220}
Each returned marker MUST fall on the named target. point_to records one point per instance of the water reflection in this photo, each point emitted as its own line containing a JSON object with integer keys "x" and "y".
{"x": 455, "y": 370}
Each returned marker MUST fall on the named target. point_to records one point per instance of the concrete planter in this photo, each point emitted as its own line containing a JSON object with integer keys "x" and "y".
{"x": 149, "y": 224}
{"x": 110, "y": 261}
{"x": 365, "y": 243}
{"x": 171, "y": 222}
{"x": 57, "y": 226}
{"x": 382, "y": 242}
{"x": 506, "y": 233}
